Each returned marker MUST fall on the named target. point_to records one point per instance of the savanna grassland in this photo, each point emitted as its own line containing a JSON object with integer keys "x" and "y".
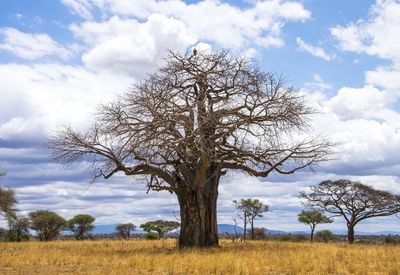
{"x": 161, "y": 257}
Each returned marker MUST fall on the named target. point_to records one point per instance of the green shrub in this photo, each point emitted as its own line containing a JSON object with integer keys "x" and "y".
{"x": 151, "y": 236}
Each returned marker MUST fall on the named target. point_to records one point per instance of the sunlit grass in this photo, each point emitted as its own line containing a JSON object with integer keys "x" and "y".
{"x": 161, "y": 257}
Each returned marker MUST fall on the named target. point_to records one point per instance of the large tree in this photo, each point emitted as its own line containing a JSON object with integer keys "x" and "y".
{"x": 313, "y": 218}
{"x": 250, "y": 210}
{"x": 182, "y": 128}
{"x": 353, "y": 201}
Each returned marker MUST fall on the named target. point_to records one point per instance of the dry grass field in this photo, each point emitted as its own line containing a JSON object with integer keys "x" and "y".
{"x": 161, "y": 257}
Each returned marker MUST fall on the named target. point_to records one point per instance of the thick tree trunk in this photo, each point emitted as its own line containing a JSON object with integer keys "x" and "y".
{"x": 350, "y": 233}
{"x": 198, "y": 207}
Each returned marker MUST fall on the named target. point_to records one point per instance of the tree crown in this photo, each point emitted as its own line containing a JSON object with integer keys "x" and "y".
{"x": 202, "y": 110}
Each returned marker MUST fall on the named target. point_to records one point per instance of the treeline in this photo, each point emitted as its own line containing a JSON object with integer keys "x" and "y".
{"x": 48, "y": 225}
{"x": 353, "y": 201}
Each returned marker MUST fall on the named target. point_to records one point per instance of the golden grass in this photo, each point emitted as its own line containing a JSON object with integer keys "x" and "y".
{"x": 161, "y": 257}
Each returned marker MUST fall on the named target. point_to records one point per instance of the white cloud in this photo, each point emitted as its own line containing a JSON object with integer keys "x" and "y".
{"x": 130, "y": 47}
{"x": 38, "y": 98}
{"x": 31, "y": 46}
{"x": 377, "y": 35}
{"x": 313, "y": 50}
{"x": 205, "y": 21}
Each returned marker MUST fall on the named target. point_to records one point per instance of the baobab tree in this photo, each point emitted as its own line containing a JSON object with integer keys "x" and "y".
{"x": 187, "y": 124}
{"x": 353, "y": 201}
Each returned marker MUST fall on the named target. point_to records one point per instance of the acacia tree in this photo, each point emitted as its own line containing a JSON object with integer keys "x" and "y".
{"x": 160, "y": 226}
{"x": 249, "y": 211}
{"x": 312, "y": 218}
{"x": 353, "y": 201}
{"x": 125, "y": 229}
{"x": 81, "y": 226}
{"x": 47, "y": 224}
{"x": 183, "y": 128}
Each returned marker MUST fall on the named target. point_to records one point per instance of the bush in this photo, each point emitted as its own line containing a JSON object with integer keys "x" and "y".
{"x": 392, "y": 240}
{"x": 259, "y": 234}
{"x": 151, "y": 236}
{"x": 325, "y": 236}
{"x": 293, "y": 238}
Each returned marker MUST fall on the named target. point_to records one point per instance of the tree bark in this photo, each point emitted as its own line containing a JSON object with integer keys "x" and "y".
{"x": 350, "y": 233}
{"x": 252, "y": 229}
{"x": 312, "y": 233}
{"x": 198, "y": 211}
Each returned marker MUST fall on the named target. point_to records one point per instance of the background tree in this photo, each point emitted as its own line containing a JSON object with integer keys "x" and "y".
{"x": 20, "y": 228}
{"x": 81, "y": 226}
{"x": 353, "y": 201}
{"x": 250, "y": 210}
{"x": 47, "y": 224}
{"x": 7, "y": 206}
{"x": 312, "y": 218}
{"x": 160, "y": 227}
{"x": 190, "y": 122}
{"x": 125, "y": 230}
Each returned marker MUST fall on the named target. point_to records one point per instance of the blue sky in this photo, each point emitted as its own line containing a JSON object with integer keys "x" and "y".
{"x": 60, "y": 59}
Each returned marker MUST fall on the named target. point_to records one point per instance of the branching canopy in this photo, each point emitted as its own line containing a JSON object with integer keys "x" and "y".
{"x": 199, "y": 110}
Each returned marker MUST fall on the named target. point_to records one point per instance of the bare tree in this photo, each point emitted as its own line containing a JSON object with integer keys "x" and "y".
{"x": 191, "y": 121}
{"x": 353, "y": 201}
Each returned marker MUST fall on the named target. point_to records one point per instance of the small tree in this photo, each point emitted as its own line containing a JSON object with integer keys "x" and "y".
{"x": 125, "y": 230}
{"x": 47, "y": 224}
{"x": 250, "y": 210}
{"x": 161, "y": 227}
{"x": 81, "y": 226}
{"x": 353, "y": 201}
{"x": 312, "y": 218}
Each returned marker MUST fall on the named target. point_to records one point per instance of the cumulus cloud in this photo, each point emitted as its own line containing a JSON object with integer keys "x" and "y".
{"x": 31, "y": 46}
{"x": 137, "y": 34}
{"x": 37, "y": 99}
{"x": 130, "y": 47}
{"x": 313, "y": 50}
{"x": 377, "y": 35}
